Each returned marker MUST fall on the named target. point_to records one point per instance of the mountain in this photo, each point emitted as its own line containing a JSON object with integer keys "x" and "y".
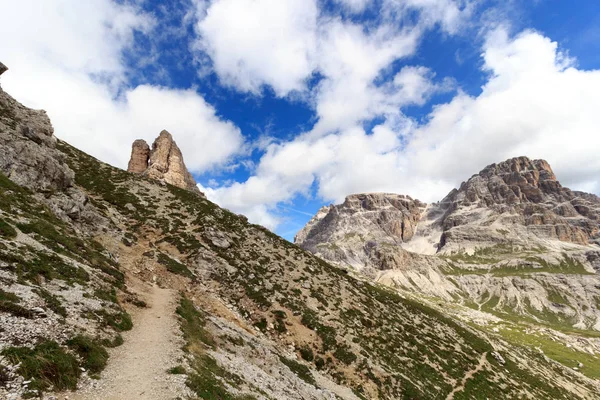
{"x": 510, "y": 247}
{"x": 116, "y": 281}
{"x": 519, "y": 193}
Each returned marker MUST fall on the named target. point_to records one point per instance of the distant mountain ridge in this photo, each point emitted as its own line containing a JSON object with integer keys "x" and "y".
{"x": 511, "y": 236}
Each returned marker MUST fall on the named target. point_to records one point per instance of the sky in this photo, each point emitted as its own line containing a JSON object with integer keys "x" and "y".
{"x": 283, "y": 106}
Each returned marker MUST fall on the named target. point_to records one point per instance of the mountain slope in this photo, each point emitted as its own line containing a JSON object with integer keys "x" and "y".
{"x": 511, "y": 242}
{"x": 261, "y": 318}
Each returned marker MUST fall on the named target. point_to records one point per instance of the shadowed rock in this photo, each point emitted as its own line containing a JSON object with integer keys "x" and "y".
{"x": 3, "y": 68}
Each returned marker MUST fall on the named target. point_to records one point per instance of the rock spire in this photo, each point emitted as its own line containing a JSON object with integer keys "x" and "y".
{"x": 163, "y": 162}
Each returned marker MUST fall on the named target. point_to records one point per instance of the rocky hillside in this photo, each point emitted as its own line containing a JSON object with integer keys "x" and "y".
{"x": 510, "y": 243}
{"x": 81, "y": 243}
{"x": 517, "y": 193}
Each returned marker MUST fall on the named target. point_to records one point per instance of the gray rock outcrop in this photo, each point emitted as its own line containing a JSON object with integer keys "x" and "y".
{"x": 27, "y": 148}
{"x": 350, "y": 231}
{"x": 524, "y": 192}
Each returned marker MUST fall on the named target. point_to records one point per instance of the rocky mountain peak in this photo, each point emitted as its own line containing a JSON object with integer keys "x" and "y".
{"x": 517, "y": 180}
{"x": 374, "y": 201}
{"x": 338, "y": 232}
{"x": 523, "y": 192}
{"x": 522, "y": 166}
{"x": 163, "y": 162}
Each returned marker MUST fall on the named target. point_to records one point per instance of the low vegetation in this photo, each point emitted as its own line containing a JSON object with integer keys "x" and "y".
{"x": 47, "y": 365}
{"x": 93, "y": 354}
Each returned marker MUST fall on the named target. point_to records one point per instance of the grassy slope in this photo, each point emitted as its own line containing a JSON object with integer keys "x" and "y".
{"x": 362, "y": 335}
{"x": 62, "y": 260}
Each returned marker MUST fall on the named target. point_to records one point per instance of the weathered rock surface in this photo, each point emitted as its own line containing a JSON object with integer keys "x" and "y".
{"x": 27, "y": 148}
{"x": 164, "y": 162}
{"x": 349, "y": 231}
{"x": 522, "y": 192}
{"x": 491, "y": 235}
{"x": 140, "y": 155}
{"x": 3, "y": 68}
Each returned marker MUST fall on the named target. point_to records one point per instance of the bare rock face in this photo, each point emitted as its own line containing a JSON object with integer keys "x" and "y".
{"x": 140, "y": 154}
{"x": 521, "y": 192}
{"x": 27, "y": 148}
{"x": 164, "y": 162}
{"x": 3, "y": 68}
{"x": 349, "y": 232}
{"x": 492, "y": 235}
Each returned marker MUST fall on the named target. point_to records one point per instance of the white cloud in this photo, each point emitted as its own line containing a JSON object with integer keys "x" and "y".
{"x": 71, "y": 65}
{"x": 450, "y": 14}
{"x": 253, "y": 43}
{"x": 353, "y": 61}
{"x": 355, "y": 6}
{"x": 535, "y": 103}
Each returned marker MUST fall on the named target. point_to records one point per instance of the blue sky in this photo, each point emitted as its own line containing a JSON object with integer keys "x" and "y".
{"x": 284, "y": 106}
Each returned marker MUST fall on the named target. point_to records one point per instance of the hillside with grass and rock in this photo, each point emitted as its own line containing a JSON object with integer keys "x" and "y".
{"x": 511, "y": 251}
{"x": 99, "y": 265}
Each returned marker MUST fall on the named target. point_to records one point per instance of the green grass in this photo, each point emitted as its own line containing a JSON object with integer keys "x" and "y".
{"x": 47, "y": 364}
{"x": 300, "y": 370}
{"x": 52, "y": 301}
{"x": 7, "y": 296}
{"x": 15, "y": 309}
{"x": 93, "y": 354}
{"x": 6, "y": 230}
{"x": 344, "y": 354}
{"x": 307, "y": 353}
{"x": 116, "y": 342}
{"x": 46, "y": 265}
{"x": 178, "y": 370}
{"x": 207, "y": 379}
{"x": 566, "y": 265}
{"x": 555, "y": 350}
{"x": 174, "y": 266}
{"x": 193, "y": 325}
{"x": 120, "y": 321}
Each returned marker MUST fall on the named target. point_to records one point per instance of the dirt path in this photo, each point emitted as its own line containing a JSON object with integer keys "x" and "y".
{"x": 138, "y": 368}
{"x": 461, "y": 386}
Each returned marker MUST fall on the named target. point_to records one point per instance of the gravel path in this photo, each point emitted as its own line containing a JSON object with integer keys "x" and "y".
{"x": 138, "y": 368}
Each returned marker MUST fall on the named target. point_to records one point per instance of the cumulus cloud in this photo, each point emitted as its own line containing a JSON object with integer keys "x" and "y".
{"x": 72, "y": 65}
{"x": 253, "y": 43}
{"x": 535, "y": 103}
{"x": 450, "y": 14}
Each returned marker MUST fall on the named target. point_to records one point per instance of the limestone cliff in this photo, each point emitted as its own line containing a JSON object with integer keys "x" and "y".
{"x": 511, "y": 235}
{"x": 340, "y": 232}
{"x": 164, "y": 162}
{"x": 519, "y": 192}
